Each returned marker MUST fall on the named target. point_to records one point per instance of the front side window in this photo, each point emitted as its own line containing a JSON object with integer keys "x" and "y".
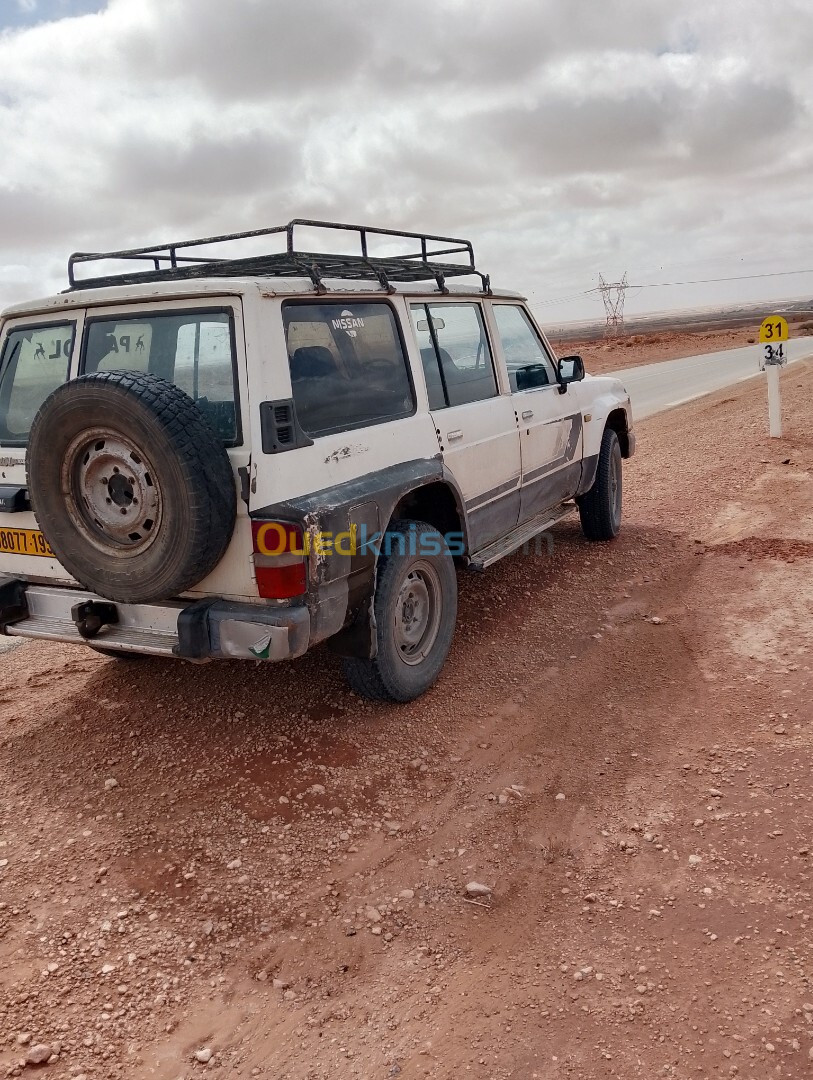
{"x": 194, "y": 350}
{"x": 348, "y": 367}
{"x": 34, "y": 362}
{"x": 455, "y": 353}
{"x": 526, "y": 358}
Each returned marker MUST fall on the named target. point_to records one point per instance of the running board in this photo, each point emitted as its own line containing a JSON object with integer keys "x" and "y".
{"x": 521, "y": 535}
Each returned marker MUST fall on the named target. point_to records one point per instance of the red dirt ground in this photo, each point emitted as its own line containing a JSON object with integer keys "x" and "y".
{"x": 268, "y": 825}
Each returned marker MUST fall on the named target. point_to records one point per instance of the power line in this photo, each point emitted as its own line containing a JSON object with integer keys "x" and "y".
{"x": 564, "y": 299}
{"x": 664, "y": 285}
{"x": 710, "y": 281}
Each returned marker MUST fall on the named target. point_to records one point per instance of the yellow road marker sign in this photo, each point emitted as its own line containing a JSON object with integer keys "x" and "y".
{"x": 774, "y": 329}
{"x": 773, "y": 333}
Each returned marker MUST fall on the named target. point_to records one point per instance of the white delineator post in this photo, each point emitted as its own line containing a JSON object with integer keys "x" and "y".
{"x": 772, "y": 335}
{"x": 774, "y": 401}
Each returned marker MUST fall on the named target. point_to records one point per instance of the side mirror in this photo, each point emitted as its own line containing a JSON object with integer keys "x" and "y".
{"x": 570, "y": 369}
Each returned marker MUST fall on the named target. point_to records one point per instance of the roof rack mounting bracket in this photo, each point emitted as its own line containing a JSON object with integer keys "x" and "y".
{"x": 440, "y": 278}
{"x": 486, "y": 278}
{"x": 312, "y": 270}
{"x": 383, "y": 280}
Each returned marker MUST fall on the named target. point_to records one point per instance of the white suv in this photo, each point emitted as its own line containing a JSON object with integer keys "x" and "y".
{"x": 241, "y": 457}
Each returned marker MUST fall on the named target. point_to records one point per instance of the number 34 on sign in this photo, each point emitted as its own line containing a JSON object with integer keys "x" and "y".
{"x": 772, "y": 336}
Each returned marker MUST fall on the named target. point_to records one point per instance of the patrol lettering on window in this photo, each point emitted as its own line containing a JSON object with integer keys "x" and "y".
{"x": 130, "y": 342}
{"x": 125, "y": 343}
{"x": 52, "y": 349}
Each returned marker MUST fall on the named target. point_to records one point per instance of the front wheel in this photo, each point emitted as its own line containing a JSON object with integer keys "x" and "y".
{"x": 415, "y": 612}
{"x": 600, "y": 507}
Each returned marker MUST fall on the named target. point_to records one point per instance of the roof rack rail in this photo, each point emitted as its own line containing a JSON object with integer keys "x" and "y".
{"x": 427, "y": 263}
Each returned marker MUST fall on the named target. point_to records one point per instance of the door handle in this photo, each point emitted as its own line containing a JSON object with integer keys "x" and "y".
{"x": 453, "y": 436}
{"x": 528, "y": 414}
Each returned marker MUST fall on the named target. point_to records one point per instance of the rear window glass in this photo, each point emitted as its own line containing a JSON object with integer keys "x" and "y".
{"x": 34, "y": 362}
{"x": 348, "y": 367}
{"x": 194, "y": 350}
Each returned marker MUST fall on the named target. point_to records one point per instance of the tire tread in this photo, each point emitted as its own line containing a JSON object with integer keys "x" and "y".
{"x": 369, "y": 678}
{"x": 594, "y": 506}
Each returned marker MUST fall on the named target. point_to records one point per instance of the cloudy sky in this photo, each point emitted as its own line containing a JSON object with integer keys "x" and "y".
{"x": 671, "y": 139}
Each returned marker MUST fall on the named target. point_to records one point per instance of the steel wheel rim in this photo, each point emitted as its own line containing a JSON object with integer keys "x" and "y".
{"x": 417, "y": 613}
{"x": 113, "y": 495}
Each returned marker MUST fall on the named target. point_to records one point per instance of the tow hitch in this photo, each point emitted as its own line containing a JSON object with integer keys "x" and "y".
{"x": 90, "y": 617}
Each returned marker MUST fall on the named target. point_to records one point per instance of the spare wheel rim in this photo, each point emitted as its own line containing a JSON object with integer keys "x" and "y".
{"x": 111, "y": 491}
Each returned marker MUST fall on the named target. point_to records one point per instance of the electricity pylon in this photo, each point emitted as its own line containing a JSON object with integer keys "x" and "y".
{"x": 613, "y": 295}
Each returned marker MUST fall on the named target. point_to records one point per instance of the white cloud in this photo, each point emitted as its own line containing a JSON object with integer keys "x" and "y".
{"x": 565, "y": 136}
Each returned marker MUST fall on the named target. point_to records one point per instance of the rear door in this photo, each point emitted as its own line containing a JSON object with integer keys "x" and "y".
{"x": 550, "y": 423}
{"x": 199, "y": 345}
{"x": 38, "y": 354}
{"x": 473, "y": 417}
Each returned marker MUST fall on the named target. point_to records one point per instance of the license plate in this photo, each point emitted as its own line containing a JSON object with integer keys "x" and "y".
{"x": 24, "y": 542}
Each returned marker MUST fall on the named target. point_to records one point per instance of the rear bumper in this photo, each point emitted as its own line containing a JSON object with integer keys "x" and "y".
{"x": 205, "y": 630}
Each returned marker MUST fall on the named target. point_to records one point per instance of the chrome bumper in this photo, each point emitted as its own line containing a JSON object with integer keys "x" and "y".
{"x": 203, "y": 630}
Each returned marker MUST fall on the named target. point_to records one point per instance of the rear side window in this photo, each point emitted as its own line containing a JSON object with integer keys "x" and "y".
{"x": 34, "y": 362}
{"x": 348, "y": 367}
{"x": 194, "y": 350}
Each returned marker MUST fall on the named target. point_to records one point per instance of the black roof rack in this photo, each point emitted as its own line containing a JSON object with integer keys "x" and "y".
{"x": 427, "y": 263}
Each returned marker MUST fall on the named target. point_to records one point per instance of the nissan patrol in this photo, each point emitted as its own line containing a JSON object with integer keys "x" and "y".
{"x": 240, "y": 457}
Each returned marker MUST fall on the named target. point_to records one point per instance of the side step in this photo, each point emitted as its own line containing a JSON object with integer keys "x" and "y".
{"x": 145, "y": 628}
{"x": 521, "y": 535}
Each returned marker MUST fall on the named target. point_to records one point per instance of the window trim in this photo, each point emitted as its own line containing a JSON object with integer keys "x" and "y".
{"x": 323, "y": 301}
{"x": 169, "y": 312}
{"x": 433, "y": 335}
{"x": 457, "y": 302}
{"x": 540, "y": 337}
{"x": 13, "y": 328}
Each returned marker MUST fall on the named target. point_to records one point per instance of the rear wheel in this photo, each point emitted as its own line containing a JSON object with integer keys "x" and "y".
{"x": 415, "y": 612}
{"x": 600, "y": 507}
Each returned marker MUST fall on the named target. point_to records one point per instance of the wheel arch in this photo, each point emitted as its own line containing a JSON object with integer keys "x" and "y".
{"x": 617, "y": 421}
{"x": 440, "y": 505}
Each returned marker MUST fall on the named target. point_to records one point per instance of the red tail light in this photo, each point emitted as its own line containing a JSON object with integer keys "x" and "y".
{"x": 279, "y": 559}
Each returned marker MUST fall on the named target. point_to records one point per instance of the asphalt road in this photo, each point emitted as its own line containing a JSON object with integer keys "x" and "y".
{"x": 655, "y": 387}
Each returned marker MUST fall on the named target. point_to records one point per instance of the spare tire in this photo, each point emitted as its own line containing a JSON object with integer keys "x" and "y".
{"x": 132, "y": 488}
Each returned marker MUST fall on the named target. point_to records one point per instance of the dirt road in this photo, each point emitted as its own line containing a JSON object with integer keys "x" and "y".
{"x": 252, "y": 868}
